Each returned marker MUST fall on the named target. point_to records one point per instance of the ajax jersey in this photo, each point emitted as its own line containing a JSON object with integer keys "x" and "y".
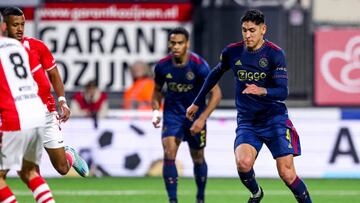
{"x": 20, "y": 106}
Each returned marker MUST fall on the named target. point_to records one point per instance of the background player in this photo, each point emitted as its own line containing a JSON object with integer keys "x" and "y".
{"x": 184, "y": 73}
{"x": 261, "y": 88}
{"x": 20, "y": 127}
{"x": 62, "y": 158}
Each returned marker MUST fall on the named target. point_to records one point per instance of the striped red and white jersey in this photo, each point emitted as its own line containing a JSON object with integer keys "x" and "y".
{"x": 44, "y": 57}
{"x": 20, "y": 106}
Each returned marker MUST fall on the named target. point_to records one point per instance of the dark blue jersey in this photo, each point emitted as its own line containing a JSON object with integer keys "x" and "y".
{"x": 183, "y": 83}
{"x": 265, "y": 67}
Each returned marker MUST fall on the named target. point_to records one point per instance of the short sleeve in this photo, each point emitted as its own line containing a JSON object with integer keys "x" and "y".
{"x": 204, "y": 70}
{"x": 224, "y": 60}
{"x": 159, "y": 80}
{"x": 46, "y": 58}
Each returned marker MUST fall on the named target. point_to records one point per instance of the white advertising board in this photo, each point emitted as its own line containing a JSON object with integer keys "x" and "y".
{"x": 101, "y": 40}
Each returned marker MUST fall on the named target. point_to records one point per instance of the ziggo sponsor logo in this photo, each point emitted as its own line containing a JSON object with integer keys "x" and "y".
{"x": 250, "y": 76}
{"x": 178, "y": 87}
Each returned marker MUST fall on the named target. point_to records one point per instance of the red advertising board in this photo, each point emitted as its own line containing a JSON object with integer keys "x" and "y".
{"x": 337, "y": 67}
{"x": 114, "y": 12}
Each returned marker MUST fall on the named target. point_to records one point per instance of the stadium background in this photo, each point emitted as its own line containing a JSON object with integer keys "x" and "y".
{"x": 92, "y": 39}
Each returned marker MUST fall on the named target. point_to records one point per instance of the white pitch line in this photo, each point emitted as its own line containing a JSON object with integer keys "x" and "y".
{"x": 208, "y": 192}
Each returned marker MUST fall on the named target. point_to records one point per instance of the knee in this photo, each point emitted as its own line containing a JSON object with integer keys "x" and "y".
{"x": 3, "y": 174}
{"x": 169, "y": 154}
{"x": 197, "y": 156}
{"x": 25, "y": 175}
{"x": 287, "y": 175}
{"x": 198, "y": 160}
{"x": 244, "y": 164}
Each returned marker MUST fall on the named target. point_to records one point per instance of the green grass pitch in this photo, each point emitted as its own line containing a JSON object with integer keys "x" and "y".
{"x": 151, "y": 190}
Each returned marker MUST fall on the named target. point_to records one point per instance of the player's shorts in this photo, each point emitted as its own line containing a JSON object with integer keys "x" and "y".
{"x": 53, "y": 137}
{"x": 18, "y": 145}
{"x": 180, "y": 128}
{"x": 278, "y": 134}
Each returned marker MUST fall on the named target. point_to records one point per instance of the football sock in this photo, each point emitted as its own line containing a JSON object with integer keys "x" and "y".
{"x": 7, "y": 196}
{"x": 298, "y": 188}
{"x": 248, "y": 179}
{"x": 258, "y": 194}
{"x": 41, "y": 190}
{"x": 200, "y": 172}
{"x": 69, "y": 158}
{"x": 170, "y": 176}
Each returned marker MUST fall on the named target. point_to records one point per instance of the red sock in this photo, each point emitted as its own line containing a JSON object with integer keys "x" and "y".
{"x": 69, "y": 158}
{"x": 7, "y": 196}
{"x": 41, "y": 190}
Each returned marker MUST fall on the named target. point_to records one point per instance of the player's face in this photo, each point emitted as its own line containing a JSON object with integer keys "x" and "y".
{"x": 15, "y": 27}
{"x": 178, "y": 45}
{"x": 253, "y": 34}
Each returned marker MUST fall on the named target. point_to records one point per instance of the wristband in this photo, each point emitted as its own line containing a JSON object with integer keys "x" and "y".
{"x": 156, "y": 115}
{"x": 61, "y": 98}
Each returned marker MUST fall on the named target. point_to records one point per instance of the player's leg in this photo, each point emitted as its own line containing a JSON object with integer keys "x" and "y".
{"x": 245, "y": 156}
{"x": 170, "y": 145}
{"x": 12, "y": 148}
{"x": 200, "y": 173}
{"x": 284, "y": 144}
{"x": 6, "y": 195}
{"x": 197, "y": 144}
{"x": 62, "y": 158}
{"x": 28, "y": 174}
{"x": 35, "y": 183}
{"x": 283, "y": 149}
{"x": 58, "y": 160}
{"x": 247, "y": 145}
{"x": 286, "y": 169}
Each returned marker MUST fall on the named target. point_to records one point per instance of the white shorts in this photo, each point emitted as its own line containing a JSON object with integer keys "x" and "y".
{"x": 19, "y": 145}
{"x": 53, "y": 137}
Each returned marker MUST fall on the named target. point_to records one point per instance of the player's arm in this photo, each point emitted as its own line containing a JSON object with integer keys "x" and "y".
{"x": 279, "y": 89}
{"x": 156, "y": 98}
{"x": 211, "y": 80}
{"x": 214, "y": 100}
{"x": 58, "y": 86}
{"x": 48, "y": 62}
{"x": 156, "y": 103}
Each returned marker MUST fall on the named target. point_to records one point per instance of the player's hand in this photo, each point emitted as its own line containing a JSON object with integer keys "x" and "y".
{"x": 191, "y": 111}
{"x": 156, "y": 119}
{"x": 253, "y": 89}
{"x": 197, "y": 126}
{"x": 64, "y": 111}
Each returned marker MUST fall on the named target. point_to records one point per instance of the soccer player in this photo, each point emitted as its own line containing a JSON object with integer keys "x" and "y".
{"x": 22, "y": 120}
{"x": 62, "y": 158}
{"x": 261, "y": 87}
{"x": 184, "y": 73}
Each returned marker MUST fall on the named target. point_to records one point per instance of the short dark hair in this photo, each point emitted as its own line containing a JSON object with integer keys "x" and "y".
{"x": 179, "y": 30}
{"x": 12, "y": 11}
{"x": 90, "y": 84}
{"x": 253, "y": 15}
